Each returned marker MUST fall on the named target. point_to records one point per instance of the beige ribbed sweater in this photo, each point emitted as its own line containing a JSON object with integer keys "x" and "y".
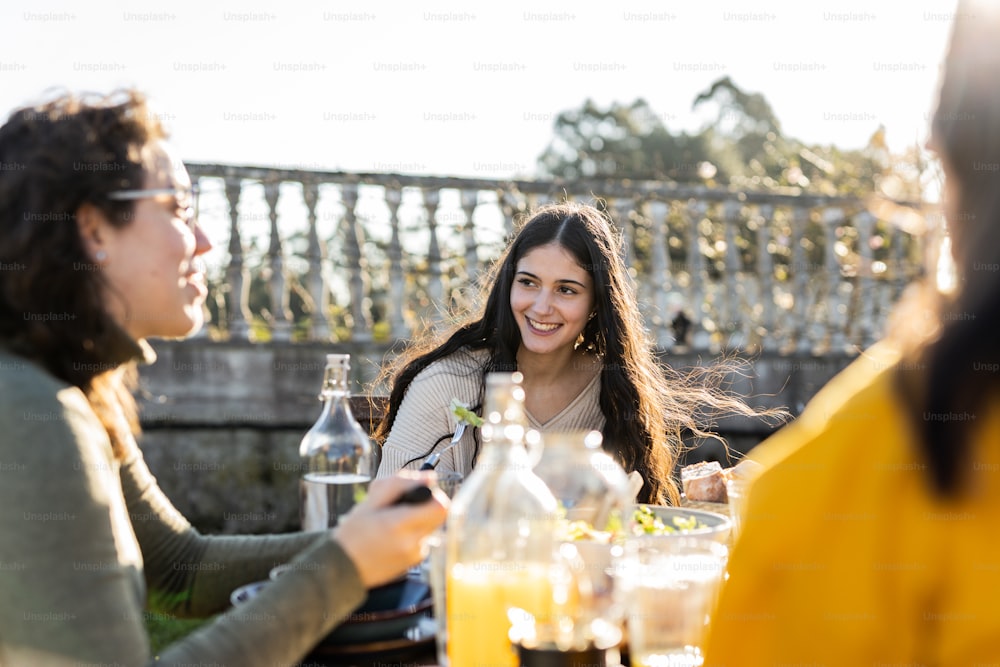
{"x": 425, "y": 414}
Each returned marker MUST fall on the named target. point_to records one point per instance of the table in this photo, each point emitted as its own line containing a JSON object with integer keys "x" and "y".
{"x": 426, "y": 654}
{"x": 422, "y": 655}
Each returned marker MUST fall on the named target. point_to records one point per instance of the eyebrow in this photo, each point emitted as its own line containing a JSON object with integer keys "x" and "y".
{"x": 563, "y": 280}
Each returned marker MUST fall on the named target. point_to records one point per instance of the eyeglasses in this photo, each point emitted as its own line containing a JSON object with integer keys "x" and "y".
{"x": 190, "y": 216}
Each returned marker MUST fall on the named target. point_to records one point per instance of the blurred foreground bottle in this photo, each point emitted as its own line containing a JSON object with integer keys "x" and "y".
{"x": 336, "y": 454}
{"x": 500, "y": 537}
{"x": 592, "y": 491}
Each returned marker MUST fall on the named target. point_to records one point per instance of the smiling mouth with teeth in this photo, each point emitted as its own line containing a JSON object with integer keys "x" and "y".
{"x": 542, "y": 327}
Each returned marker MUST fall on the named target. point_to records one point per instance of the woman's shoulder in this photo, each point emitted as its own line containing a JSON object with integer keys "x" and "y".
{"x": 28, "y": 388}
{"x": 459, "y": 375}
{"x": 37, "y": 405}
{"x": 463, "y": 363}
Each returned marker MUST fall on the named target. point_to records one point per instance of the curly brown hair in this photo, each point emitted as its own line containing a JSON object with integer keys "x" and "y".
{"x": 647, "y": 406}
{"x": 56, "y": 156}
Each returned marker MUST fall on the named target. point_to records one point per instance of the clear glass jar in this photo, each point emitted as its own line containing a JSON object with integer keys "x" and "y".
{"x": 335, "y": 454}
{"x": 593, "y": 494}
{"x": 500, "y": 537}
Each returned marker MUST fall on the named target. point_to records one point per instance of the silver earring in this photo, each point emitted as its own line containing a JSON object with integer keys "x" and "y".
{"x": 100, "y": 255}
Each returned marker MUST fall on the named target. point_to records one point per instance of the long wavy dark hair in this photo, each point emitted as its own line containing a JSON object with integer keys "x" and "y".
{"x": 958, "y": 360}
{"x": 646, "y": 406}
{"x": 55, "y": 157}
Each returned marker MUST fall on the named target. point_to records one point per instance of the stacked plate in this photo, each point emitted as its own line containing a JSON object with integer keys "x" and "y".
{"x": 394, "y": 621}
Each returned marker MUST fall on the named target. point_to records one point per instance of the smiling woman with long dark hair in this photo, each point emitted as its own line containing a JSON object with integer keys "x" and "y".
{"x": 559, "y": 308}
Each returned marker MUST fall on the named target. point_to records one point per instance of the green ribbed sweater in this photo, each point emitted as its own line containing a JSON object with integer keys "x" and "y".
{"x": 86, "y": 542}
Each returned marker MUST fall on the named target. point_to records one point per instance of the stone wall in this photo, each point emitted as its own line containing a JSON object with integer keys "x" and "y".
{"x": 222, "y": 421}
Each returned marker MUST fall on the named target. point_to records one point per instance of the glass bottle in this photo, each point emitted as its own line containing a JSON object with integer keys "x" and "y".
{"x": 336, "y": 454}
{"x": 500, "y": 537}
{"x": 592, "y": 491}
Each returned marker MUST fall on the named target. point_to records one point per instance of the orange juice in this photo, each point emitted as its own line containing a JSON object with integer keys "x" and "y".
{"x": 479, "y": 595}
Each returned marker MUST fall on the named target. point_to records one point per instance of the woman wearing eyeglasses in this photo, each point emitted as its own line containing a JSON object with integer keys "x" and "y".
{"x": 98, "y": 248}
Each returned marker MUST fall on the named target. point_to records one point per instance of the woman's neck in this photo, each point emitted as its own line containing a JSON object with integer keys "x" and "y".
{"x": 552, "y": 368}
{"x": 551, "y": 383}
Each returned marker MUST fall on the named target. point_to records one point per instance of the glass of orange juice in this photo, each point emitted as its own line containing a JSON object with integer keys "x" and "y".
{"x": 482, "y": 596}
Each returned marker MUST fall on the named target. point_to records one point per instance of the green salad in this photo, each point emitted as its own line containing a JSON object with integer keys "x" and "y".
{"x": 647, "y": 523}
{"x": 464, "y": 414}
{"x": 644, "y": 522}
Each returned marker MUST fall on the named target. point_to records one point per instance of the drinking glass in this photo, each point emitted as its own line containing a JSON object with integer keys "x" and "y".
{"x": 449, "y": 482}
{"x": 737, "y": 490}
{"x": 671, "y": 584}
{"x": 435, "y": 564}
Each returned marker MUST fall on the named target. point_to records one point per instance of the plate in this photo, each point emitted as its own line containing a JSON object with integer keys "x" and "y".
{"x": 388, "y": 613}
{"x": 416, "y": 642}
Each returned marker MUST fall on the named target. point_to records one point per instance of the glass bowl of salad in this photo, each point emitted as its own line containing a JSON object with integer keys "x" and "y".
{"x": 665, "y": 520}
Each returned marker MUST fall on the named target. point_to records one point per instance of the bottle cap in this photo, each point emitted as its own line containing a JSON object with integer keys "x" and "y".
{"x": 334, "y": 360}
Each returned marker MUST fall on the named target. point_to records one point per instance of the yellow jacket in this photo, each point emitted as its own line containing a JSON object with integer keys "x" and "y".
{"x": 847, "y": 556}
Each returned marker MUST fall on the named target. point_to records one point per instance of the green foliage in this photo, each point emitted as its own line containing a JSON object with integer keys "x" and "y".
{"x": 164, "y": 630}
{"x": 742, "y": 147}
{"x": 620, "y": 142}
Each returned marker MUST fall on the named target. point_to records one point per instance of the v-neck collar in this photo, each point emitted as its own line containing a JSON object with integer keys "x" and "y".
{"x": 534, "y": 423}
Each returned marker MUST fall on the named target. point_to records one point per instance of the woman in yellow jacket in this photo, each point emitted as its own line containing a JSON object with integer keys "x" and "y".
{"x": 871, "y": 537}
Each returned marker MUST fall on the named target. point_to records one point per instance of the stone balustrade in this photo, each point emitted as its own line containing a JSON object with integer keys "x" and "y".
{"x": 383, "y": 256}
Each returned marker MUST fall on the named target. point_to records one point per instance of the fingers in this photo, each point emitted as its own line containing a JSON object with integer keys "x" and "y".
{"x": 420, "y": 519}
{"x": 384, "y": 539}
{"x": 383, "y": 492}
{"x": 384, "y": 544}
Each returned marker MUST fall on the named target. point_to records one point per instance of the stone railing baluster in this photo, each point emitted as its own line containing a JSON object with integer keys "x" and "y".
{"x": 696, "y": 265}
{"x": 435, "y": 285}
{"x": 659, "y": 279}
{"x": 315, "y": 256}
{"x": 357, "y": 265}
{"x": 469, "y": 201}
{"x": 800, "y": 280}
{"x": 236, "y": 273}
{"x": 833, "y": 218}
{"x": 628, "y": 218}
{"x": 765, "y": 279}
{"x": 281, "y": 325}
{"x": 865, "y": 328}
{"x": 732, "y": 319}
{"x": 397, "y": 279}
{"x": 510, "y": 204}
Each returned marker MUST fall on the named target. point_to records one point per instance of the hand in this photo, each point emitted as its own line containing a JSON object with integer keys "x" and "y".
{"x": 384, "y": 540}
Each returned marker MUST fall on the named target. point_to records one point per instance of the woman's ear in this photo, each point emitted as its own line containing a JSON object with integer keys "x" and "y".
{"x": 92, "y": 223}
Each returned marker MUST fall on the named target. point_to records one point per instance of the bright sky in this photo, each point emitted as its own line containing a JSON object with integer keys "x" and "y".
{"x": 468, "y": 89}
